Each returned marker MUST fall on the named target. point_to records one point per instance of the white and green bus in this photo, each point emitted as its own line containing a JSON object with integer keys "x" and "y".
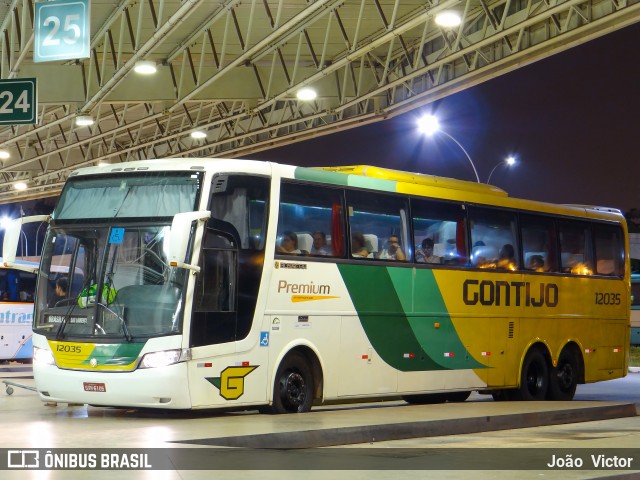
{"x": 196, "y": 284}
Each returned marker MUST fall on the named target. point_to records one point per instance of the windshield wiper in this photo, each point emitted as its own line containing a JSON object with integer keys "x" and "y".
{"x": 123, "y": 322}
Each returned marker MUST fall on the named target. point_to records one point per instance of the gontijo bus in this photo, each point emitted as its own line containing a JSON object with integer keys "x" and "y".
{"x": 179, "y": 299}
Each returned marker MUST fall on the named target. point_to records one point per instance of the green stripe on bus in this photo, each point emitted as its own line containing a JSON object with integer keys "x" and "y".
{"x": 344, "y": 180}
{"x": 404, "y": 335}
{"x": 115, "y": 354}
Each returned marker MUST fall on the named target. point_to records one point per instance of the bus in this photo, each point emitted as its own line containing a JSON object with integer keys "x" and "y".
{"x": 17, "y": 288}
{"x": 217, "y": 283}
{"x": 635, "y": 309}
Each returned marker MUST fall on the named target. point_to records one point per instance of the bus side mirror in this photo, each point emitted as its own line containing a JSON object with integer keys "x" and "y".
{"x": 12, "y": 232}
{"x": 179, "y": 238}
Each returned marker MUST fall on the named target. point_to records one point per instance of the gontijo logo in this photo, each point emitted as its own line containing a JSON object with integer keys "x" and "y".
{"x": 231, "y": 381}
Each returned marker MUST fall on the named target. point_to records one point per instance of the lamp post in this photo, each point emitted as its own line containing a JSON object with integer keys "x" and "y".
{"x": 430, "y": 125}
{"x": 509, "y": 161}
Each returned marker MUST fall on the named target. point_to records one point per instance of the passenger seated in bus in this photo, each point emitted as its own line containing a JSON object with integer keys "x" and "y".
{"x": 319, "y": 246}
{"x": 506, "y": 259}
{"x": 393, "y": 251}
{"x": 357, "y": 246}
{"x": 536, "y": 263}
{"x": 288, "y": 244}
{"x": 425, "y": 253}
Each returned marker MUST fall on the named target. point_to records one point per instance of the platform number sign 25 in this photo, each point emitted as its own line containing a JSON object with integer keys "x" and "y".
{"x": 18, "y": 103}
{"x": 61, "y": 30}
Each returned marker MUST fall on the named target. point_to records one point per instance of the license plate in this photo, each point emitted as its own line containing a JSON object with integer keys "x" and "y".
{"x": 94, "y": 387}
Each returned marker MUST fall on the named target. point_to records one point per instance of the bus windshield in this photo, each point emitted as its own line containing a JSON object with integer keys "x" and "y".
{"x": 136, "y": 195}
{"x": 109, "y": 282}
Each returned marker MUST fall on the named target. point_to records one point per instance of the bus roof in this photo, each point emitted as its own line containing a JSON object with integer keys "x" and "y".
{"x": 417, "y": 179}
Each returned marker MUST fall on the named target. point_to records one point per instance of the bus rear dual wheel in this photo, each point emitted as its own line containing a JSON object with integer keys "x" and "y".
{"x": 539, "y": 382}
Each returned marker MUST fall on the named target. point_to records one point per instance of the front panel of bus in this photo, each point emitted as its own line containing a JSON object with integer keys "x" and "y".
{"x": 107, "y": 300}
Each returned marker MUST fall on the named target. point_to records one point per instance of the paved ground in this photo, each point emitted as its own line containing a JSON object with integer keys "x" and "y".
{"x": 477, "y": 439}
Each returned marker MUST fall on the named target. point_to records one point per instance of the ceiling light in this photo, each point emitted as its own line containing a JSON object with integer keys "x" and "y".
{"x": 306, "y": 94}
{"x": 448, "y": 18}
{"x": 4, "y": 155}
{"x": 20, "y": 186}
{"x": 145, "y": 67}
{"x": 84, "y": 120}
{"x": 198, "y": 134}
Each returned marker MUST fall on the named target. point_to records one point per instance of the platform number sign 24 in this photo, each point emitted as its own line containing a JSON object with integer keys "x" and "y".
{"x": 18, "y": 101}
{"x": 61, "y": 30}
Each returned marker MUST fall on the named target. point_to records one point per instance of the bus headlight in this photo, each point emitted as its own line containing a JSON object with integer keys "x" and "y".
{"x": 43, "y": 357}
{"x": 164, "y": 358}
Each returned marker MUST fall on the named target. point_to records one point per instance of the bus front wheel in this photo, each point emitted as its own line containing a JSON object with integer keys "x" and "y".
{"x": 563, "y": 379}
{"x": 534, "y": 378}
{"x": 293, "y": 387}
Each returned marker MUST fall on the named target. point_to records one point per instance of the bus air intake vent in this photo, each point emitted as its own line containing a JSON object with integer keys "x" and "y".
{"x": 510, "y": 335}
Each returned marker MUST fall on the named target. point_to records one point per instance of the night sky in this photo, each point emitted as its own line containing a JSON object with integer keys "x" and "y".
{"x": 571, "y": 120}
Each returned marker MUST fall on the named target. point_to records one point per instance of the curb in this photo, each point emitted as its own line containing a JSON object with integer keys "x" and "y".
{"x": 430, "y": 428}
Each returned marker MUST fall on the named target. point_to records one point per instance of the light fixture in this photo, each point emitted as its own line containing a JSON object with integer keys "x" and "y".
{"x": 307, "y": 94}
{"x": 448, "y": 19}
{"x": 4, "y": 155}
{"x": 198, "y": 134}
{"x": 84, "y": 120}
{"x": 145, "y": 67}
{"x": 429, "y": 125}
{"x": 20, "y": 186}
{"x": 508, "y": 162}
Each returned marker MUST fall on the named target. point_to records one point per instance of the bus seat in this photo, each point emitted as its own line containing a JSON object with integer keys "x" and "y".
{"x": 439, "y": 249}
{"x": 371, "y": 243}
{"x": 305, "y": 241}
{"x": 483, "y": 252}
{"x": 605, "y": 267}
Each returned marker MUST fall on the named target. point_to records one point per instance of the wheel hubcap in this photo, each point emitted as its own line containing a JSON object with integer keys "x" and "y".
{"x": 294, "y": 389}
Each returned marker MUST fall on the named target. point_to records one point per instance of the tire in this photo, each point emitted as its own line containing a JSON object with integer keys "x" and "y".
{"x": 425, "y": 399}
{"x": 293, "y": 386}
{"x": 563, "y": 379}
{"x": 456, "y": 397}
{"x": 534, "y": 378}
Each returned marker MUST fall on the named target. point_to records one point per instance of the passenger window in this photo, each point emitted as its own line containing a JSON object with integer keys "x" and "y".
{"x": 574, "y": 248}
{"x": 494, "y": 240}
{"x": 539, "y": 243}
{"x": 609, "y": 249}
{"x": 310, "y": 221}
{"x": 378, "y": 226}
{"x": 439, "y": 232}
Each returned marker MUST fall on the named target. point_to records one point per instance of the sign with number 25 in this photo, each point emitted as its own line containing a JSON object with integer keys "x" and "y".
{"x": 61, "y": 30}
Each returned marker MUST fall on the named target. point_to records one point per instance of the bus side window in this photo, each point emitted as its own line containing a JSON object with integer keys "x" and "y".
{"x": 609, "y": 249}
{"x": 310, "y": 221}
{"x": 494, "y": 237}
{"x": 442, "y": 223}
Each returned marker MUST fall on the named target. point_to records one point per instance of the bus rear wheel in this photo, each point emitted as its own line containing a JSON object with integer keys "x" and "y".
{"x": 534, "y": 378}
{"x": 293, "y": 388}
{"x": 563, "y": 379}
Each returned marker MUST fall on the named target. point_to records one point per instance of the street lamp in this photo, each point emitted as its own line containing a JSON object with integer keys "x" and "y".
{"x": 430, "y": 125}
{"x": 509, "y": 162}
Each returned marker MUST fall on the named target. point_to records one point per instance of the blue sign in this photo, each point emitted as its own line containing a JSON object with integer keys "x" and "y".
{"x": 18, "y": 101}
{"x": 264, "y": 339}
{"x": 117, "y": 236}
{"x": 61, "y": 30}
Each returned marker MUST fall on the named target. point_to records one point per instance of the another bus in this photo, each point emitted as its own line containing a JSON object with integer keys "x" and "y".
{"x": 179, "y": 300}
{"x": 17, "y": 288}
{"x": 635, "y": 309}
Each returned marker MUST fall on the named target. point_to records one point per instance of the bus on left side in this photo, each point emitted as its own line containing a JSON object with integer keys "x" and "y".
{"x": 17, "y": 288}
